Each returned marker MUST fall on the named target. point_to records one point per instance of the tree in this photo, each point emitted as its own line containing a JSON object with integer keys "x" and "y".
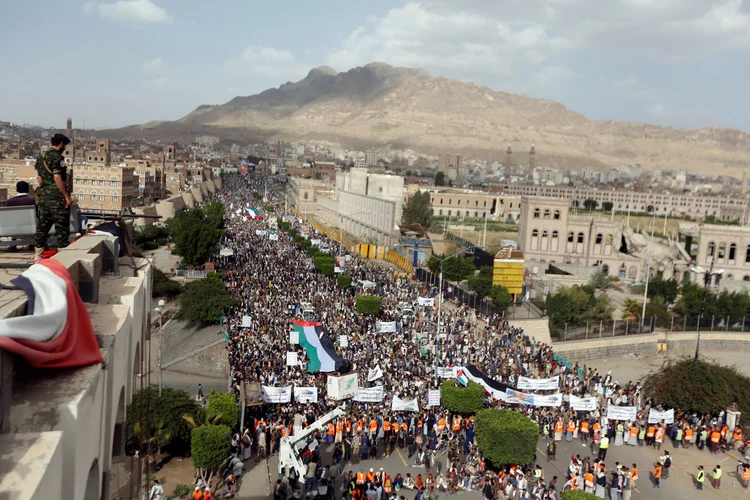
{"x": 368, "y": 304}
{"x": 631, "y": 310}
{"x": 440, "y": 179}
{"x": 481, "y": 283}
{"x": 196, "y": 234}
{"x": 465, "y": 400}
{"x": 578, "y": 304}
{"x": 210, "y": 445}
{"x": 418, "y": 210}
{"x": 162, "y": 415}
{"x": 600, "y": 280}
{"x": 163, "y": 286}
{"x": 205, "y": 300}
{"x": 590, "y": 204}
{"x": 225, "y": 405}
{"x": 344, "y": 280}
{"x": 324, "y": 263}
{"x": 506, "y": 437}
{"x": 702, "y": 386}
{"x": 454, "y": 269}
{"x": 667, "y": 289}
{"x": 607, "y": 206}
{"x": 501, "y": 297}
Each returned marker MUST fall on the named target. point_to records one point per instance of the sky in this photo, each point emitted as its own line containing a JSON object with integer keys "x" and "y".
{"x": 112, "y": 63}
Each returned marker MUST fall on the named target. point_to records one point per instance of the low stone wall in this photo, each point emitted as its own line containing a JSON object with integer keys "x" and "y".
{"x": 710, "y": 341}
{"x": 212, "y": 362}
{"x": 576, "y": 350}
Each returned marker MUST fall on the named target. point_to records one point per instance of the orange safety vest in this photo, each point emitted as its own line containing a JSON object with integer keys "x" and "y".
{"x": 441, "y": 424}
{"x": 724, "y": 431}
{"x": 373, "y": 425}
{"x": 659, "y": 433}
{"x": 360, "y": 478}
{"x": 360, "y": 426}
{"x": 457, "y": 424}
{"x": 403, "y": 427}
{"x": 371, "y": 477}
{"x": 574, "y": 482}
{"x": 197, "y": 495}
{"x": 657, "y": 471}
{"x": 746, "y": 475}
{"x": 634, "y": 474}
{"x": 688, "y": 433}
{"x": 597, "y": 427}
{"x": 585, "y": 427}
{"x": 571, "y": 426}
{"x": 339, "y": 426}
{"x": 387, "y": 486}
{"x": 588, "y": 480}
{"x": 715, "y": 437}
{"x": 558, "y": 426}
{"x": 348, "y": 426}
{"x": 283, "y": 431}
{"x": 633, "y": 432}
{"x": 737, "y": 435}
{"x": 331, "y": 430}
{"x": 386, "y": 426}
{"x": 650, "y": 432}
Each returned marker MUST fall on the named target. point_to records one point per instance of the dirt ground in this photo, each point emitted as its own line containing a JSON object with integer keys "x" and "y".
{"x": 177, "y": 471}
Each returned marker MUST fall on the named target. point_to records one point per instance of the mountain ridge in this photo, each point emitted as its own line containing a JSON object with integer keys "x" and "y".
{"x": 385, "y": 106}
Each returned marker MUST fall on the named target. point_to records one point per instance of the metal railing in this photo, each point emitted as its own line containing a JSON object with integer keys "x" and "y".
{"x": 197, "y": 274}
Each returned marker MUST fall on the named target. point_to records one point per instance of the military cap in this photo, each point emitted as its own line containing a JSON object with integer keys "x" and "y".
{"x": 59, "y": 138}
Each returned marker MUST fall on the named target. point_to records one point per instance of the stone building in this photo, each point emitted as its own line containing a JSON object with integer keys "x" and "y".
{"x": 100, "y": 187}
{"x": 729, "y": 248}
{"x": 453, "y": 202}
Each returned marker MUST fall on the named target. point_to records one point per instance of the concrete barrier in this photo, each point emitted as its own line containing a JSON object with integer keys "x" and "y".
{"x": 710, "y": 341}
{"x": 606, "y": 347}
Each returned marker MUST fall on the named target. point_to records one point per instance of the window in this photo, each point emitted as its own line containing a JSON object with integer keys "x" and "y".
{"x": 580, "y": 237}
{"x": 599, "y": 238}
{"x": 441, "y": 201}
{"x": 485, "y": 203}
{"x": 81, "y": 196}
{"x": 556, "y": 215}
{"x": 449, "y": 201}
{"x": 114, "y": 183}
{"x": 536, "y": 213}
{"x": 441, "y": 211}
{"x": 732, "y": 251}
{"x": 458, "y": 202}
{"x": 722, "y": 250}
{"x": 546, "y": 213}
{"x": 449, "y": 213}
{"x": 747, "y": 255}
{"x": 554, "y": 235}
{"x": 545, "y": 234}
{"x": 535, "y": 233}
{"x": 476, "y": 203}
{"x": 571, "y": 236}
{"x": 712, "y": 249}
{"x": 115, "y": 198}
{"x": 746, "y": 278}
{"x": 608, "y": 240}
{"x": 476, "y": 214}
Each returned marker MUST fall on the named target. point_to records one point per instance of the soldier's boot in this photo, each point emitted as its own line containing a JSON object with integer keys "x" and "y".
{"x": 38, "y": 254}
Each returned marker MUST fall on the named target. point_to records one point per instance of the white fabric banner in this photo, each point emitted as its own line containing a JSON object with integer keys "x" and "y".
{"x": 342, "y": 386}
{"x": 247, "y": 322}
{"x": 226, "y": 252}
{"x": 518, "y": 397}
{"x": 276, "y": 394}
{"x": 273, "y": 237}
{"x": 294, "y": 337}
{"x": 656, "y": 416}
{"x": 386, "y": 326}
{"x": 433, "y": 397}
{"x": 343, "y": 341}
{"x": 539, "y": 384}
{"x": 291, "y": 358}
{"x": 306, "y": 394}
{"x": 369, "y": 394}
{"x": 447, "y": 371}
{"x": 425, "y": 301}
{"x": 260, "y": 232}
{"x": 374, "y": 374}
{"x": 315, "y": 242}
{"x": 622, "y": 412}
{"x": 583, "y": 404}
{"x": 548, "y": 399}
{"x": 399, "y": 404}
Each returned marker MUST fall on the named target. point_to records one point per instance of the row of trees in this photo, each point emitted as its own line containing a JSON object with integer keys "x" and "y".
{"x": 460, "y": 269}
{"x": 577, "y": 304}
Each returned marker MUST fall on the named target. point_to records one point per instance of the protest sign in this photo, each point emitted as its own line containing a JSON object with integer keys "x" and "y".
{"x": 433, "y": 397}
{"x": 425, "y": 301}
{"x": 291, "y": 358}
{"x": 656, "y": 416}
{"x": 583, "y": 404}
{"x": 518, "y": 397}
{"x": 306, "y": 394}
{"x": 276, "y": 394}
{"x": 399, "y": 404}
{"x": 621, "y": 412}
{"x": 547, "y": 399}
{"x": 343, "y": 341}
{"x": 374, "y": 374}
{"x": 539, "y": 384}
{"x": 369, "y": 394}
{"x": 294, "y": 337}
{"x": 342, "y": 386}
{"x": 385, "y": 326}
{"x": 247, "y": 322}
{"x": 446, "y": 372}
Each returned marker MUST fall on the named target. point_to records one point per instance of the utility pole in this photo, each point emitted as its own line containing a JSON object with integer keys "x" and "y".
{"x": 648, "y": 271}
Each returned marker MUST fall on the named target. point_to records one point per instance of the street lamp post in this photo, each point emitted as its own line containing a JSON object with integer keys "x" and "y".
{"x": 440, "y": 304}
{"x": 706, "y": 281}
{"x": 648, "y": 272}
{"x": 160, "y": 311}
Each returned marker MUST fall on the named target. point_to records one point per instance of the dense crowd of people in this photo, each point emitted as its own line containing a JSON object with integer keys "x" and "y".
{"x": 272, "y": 278}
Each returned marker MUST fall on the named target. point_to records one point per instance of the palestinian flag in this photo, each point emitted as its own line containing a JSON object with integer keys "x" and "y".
{"x": 495, "y": 388}
{"x": 56, "y": 330}
{"x": 319, "y": 346}
{"x": 253, "y": 214}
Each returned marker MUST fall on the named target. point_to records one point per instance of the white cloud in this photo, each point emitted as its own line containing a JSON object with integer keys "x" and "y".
{"x": 267, "y": 61}
{"x": 552, "y": 76}
{"x": 630, "y": 81}
{"x": 129, "y": 11}
{"x": 158, "y": 66}
{"x": 659, "y": 110}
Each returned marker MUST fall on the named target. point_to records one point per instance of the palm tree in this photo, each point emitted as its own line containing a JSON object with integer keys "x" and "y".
{"x": 201, "y": 417}
{"x": 631, "y": 310}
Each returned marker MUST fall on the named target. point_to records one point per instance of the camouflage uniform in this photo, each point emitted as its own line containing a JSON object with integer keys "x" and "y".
{"x": 51, "y": 209}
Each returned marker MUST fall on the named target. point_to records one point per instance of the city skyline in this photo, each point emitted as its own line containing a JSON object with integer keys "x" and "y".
{"x": 133, "y": 61}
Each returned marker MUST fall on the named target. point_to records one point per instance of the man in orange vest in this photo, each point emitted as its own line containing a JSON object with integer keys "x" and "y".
{"x": 331, "y": 433}
{"x": 584, "y": 431}
{"x": 746, "y": 476}
{"x": 456, "y": 423}
{"x": 737, "y": 437}
{"x": 657, "y": 474}
{"x": 371, "y": 476}
{"x": 361, "y": 480}
{"x": 634, "y": 474}
{"x": 570, "y": 430}
{"x": 588, "y": 482}
{"x": 387, "y": 485}
{"x": 715, "y": 438}
{"x": 650, "y": 435}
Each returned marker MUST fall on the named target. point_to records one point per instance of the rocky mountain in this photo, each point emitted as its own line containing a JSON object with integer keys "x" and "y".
{"x": 381, "y": 105}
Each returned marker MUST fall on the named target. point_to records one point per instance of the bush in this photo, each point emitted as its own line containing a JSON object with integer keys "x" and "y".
{"x": 344, "y": 280}
{"x": 461, "y": 399}
{"x": 167, "y": 409}
{"x": 328, "y": 269}
{"x": 224, "y": 404}
{"x": 703, "y": 386}
{"x": 481, "y": 283}
{"x": 163, "y": 286}
{"x": 182, "y": 490}
{"x": 210, "y": 445}
{"x": 577, "y": 495}
{"x": 305, "y": 243}
{"x": 312, "y": 251}
{"x": 149, "y": 245}
{"x": 506, "y": 437}
{"x": 151, "y": 233}
{"x": 454, "y": 269}
{"x": 268, "y": 208}
{"x": 205, "y": 300}
{"x": 368, "y": 304}
{"x": 501, "y": 297}
{"x": 196, "y": 233}
{"x": 257, "y": 195}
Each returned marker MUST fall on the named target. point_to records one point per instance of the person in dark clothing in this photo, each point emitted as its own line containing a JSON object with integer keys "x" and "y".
{"x": 22, "y": 196}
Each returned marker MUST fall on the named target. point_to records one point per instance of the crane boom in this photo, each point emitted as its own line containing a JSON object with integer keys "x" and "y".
{"x": 289, "y": 457}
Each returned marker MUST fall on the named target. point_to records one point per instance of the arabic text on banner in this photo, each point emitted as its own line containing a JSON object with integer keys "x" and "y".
{"x": 343, "y": 341}
{"x": 273, "y": 237}
{"x": 370, "y": 394}
{"x": 374, "y": 374}
{"x": 260, "y": 232}
{"x": 342, "y": 386}
{"x": 547, "y": 399}
{"x": 276, "y": 394}
{"x": 656, "y": 416}
{"x": 247, "y": 322}
{"x": 294, "y": 337}
{"x": 291, "y": 358}
{"x": 425, "y": 301}
{"x": 446, "y": 372}
{"x": 622, "y": 412}
{"x": 433, "y": 397}
{"x": 399, "y": 404}
{"x": 539, "y": 384}
{"x": 583, "y": 404}
{"x": 306, "y": 394}
{"x": 518, "y": 397}
{"x": 386, "y": 326}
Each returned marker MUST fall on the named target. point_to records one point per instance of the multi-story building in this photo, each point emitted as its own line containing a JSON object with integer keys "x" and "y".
{"x": 728, "y": 247}
{"x": 452, "y": 202}
{"x": 104, "y": 188}
{"x": 448, "y": 161}
{"x": 696, "y": 207}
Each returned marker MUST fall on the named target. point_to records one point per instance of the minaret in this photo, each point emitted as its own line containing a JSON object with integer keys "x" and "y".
{"x": 508, "y": 157}
{"x": 69, "y": 129}
{"x": 532, "y": 153}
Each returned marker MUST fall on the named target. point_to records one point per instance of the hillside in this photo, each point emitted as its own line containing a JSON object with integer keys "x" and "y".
{"x": 381, "y": 105}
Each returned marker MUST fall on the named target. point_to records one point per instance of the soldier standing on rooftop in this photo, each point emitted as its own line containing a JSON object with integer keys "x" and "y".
{"x": 54, "y": 199}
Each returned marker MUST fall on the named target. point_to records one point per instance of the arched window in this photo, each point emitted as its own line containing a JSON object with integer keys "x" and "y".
{"x": 722, "y": 250}
{"x": 458, "y": 202}
{"x": 476, "y": 203}
{"x": 599, "y": 238}
{"x": 450, "y": 201}
{"x": 732, "y": 251}
{"x": 608, "y": 240}
{"x": 554, "y": 235}
{"x": 730, "y": 276}
{"x": 535, "y": 233}
{"x": 712, "y": 249}
{"x": 546, "y": 213}
{"x": 571, "y": 237}
{"x": 441, "y": 201}
{"x": 747, "y": 254}
{"x": 545, "y": 234}
{"x": 580, "y": 237}
{"x": 441, "y": 211}
{"x": 536, "y": 213}
{"x": 449, "y": 213}
{"x": 556, "y": 215}
{"x": 467, "y": 213}
{"x": 476, "y": 214}
{"x": 746, "y": 278}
